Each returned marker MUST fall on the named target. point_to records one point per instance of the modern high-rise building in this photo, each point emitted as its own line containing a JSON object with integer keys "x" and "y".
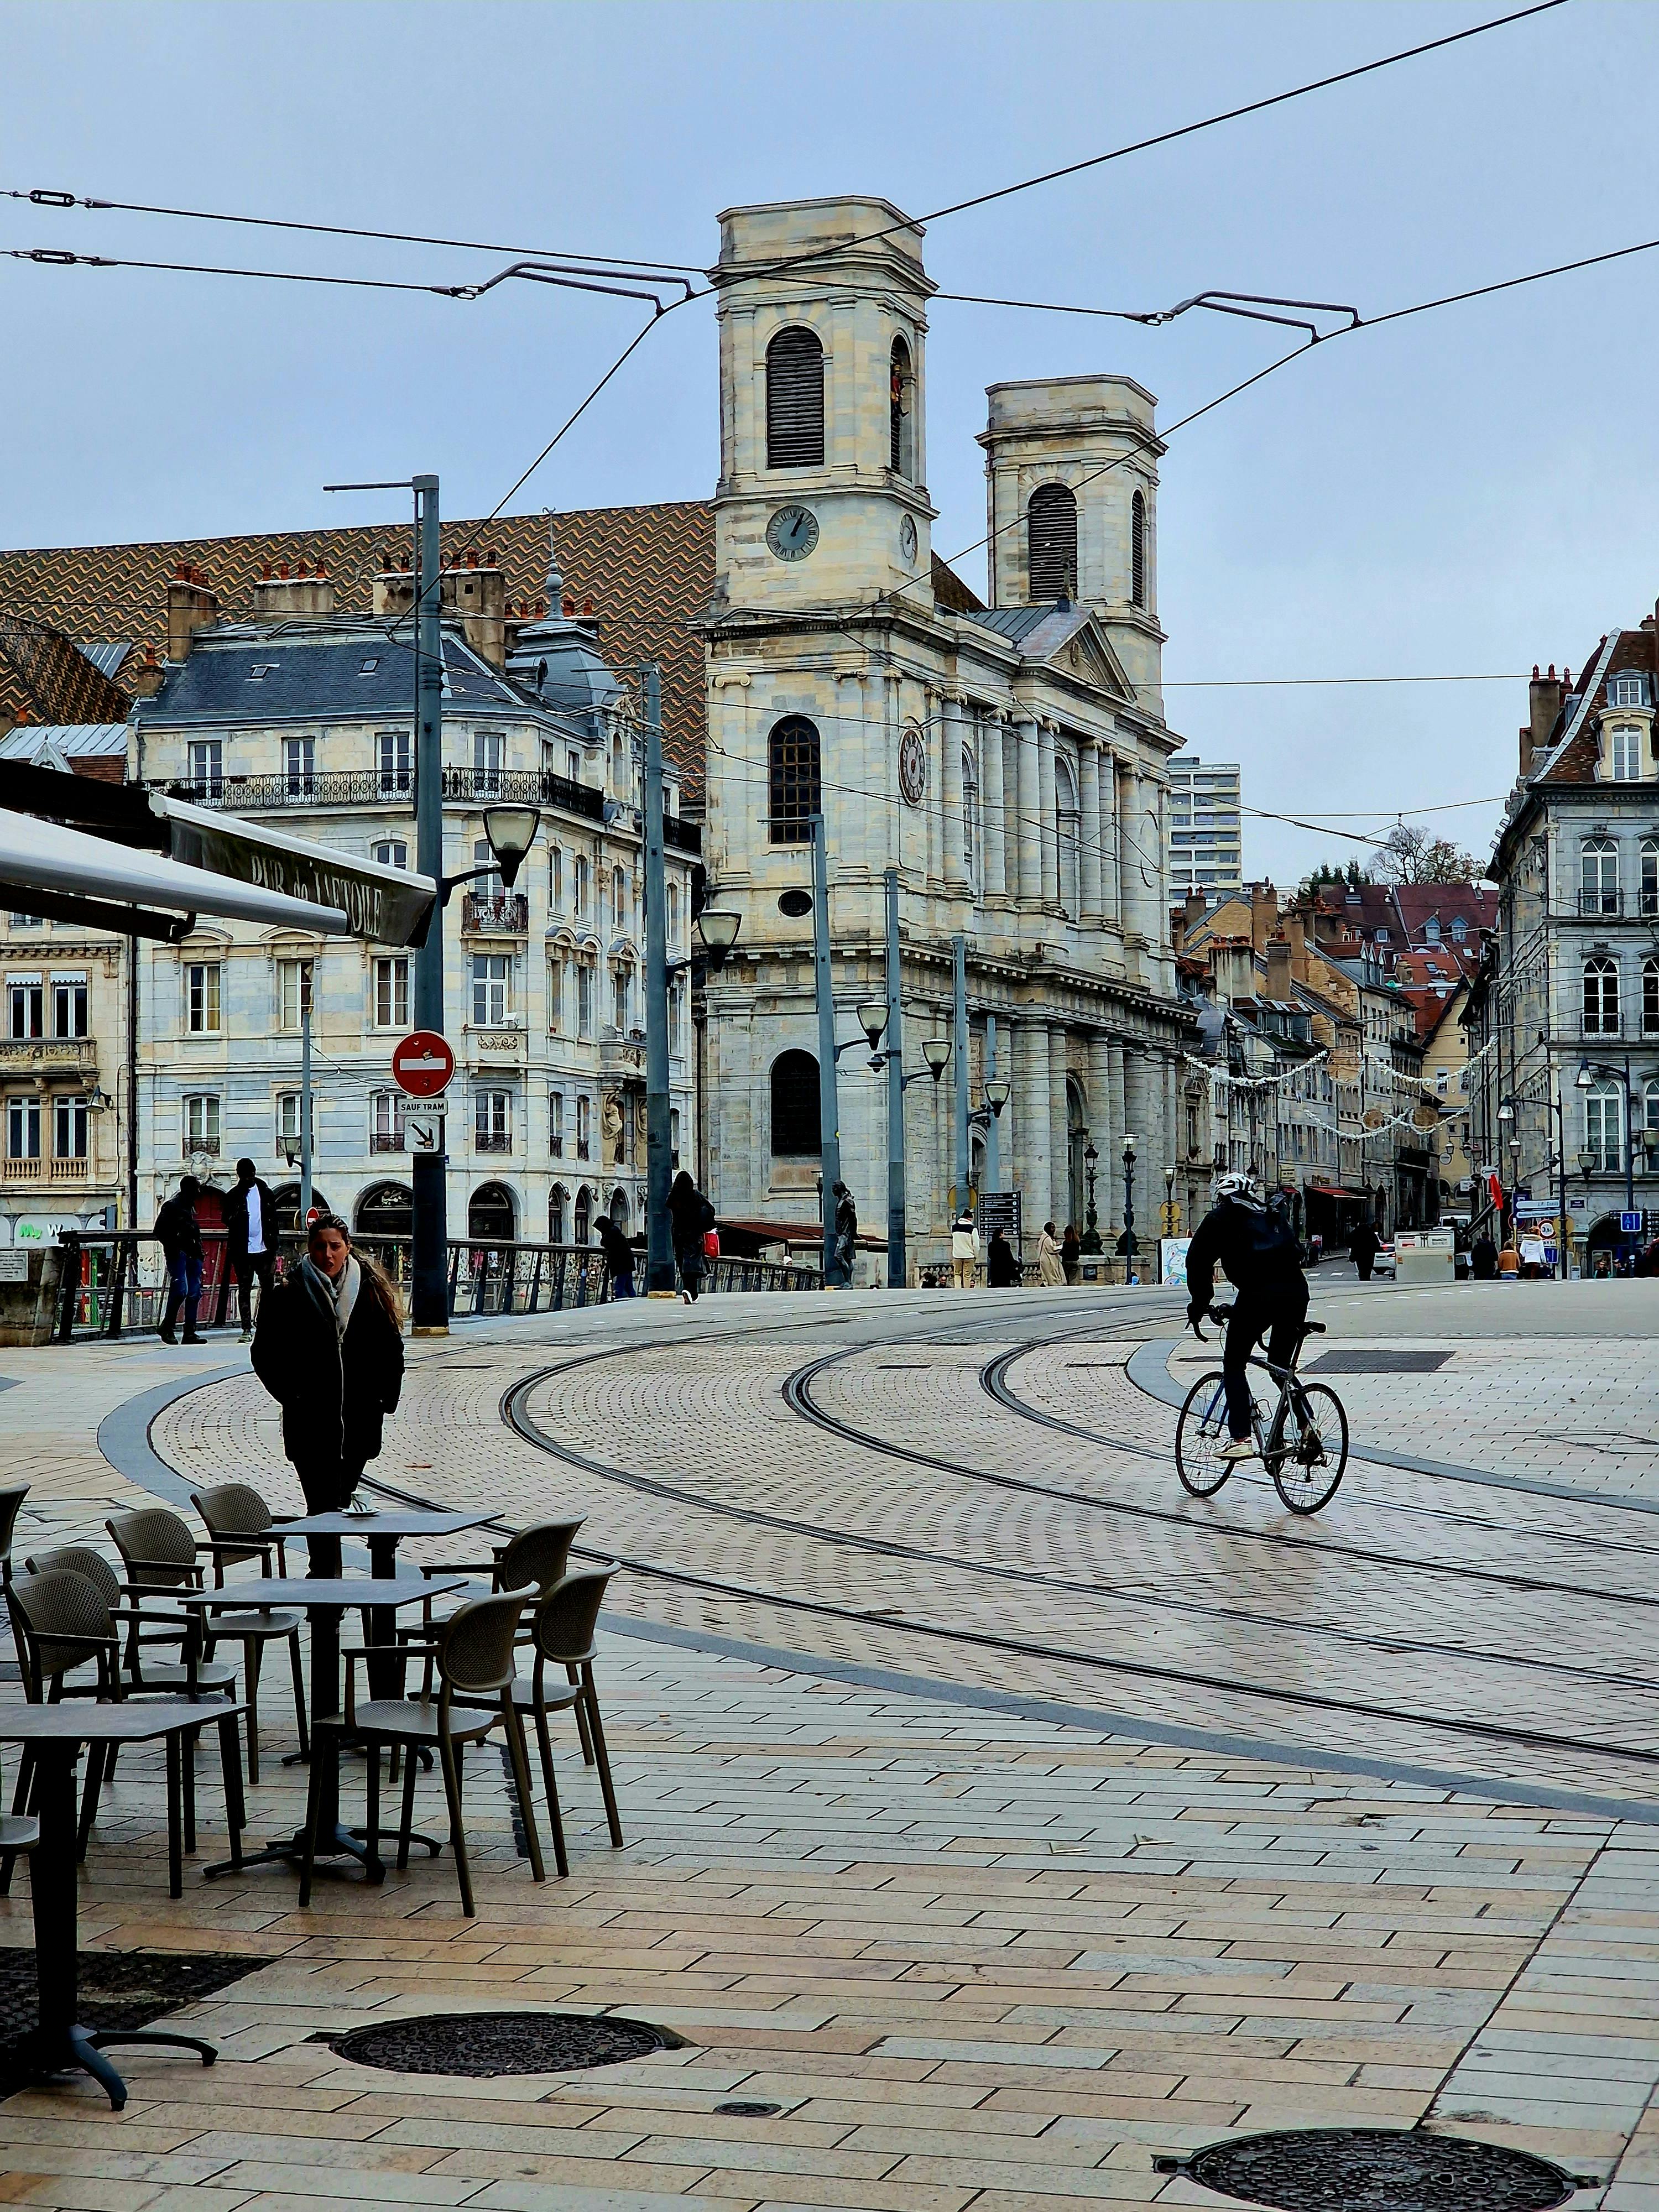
{"x": 1204, "y": 820}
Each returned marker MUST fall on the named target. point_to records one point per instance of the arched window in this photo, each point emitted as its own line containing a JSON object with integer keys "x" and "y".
{"x": 386, "y": 1210}
{"x": 618, "y": 901}
{"x": 582, "y": 1228}
{"x": 1598, "y": 877}
{"x": 1138, "y": 549}
{"x": 1650, "y": 998}
{"x": 1069, "y": 817}
{"x": 1625, "y": 752}
{"x": 794, "y": 399}
{"x": 1604, "y": 1134}
{"x": 794, "y": 779}
{"x": 901, "y": 413}
{"x": 619, "y": 1208}
{"x": 1651, "y": 1106}
{"x": 1600, "y": 996}
{"x": 797, "y": 1131}
{"x": 1051, "y": 544}
{"x": 1650, "y": 875}
{"x": 490, "y": 1216}
{"x": 970, "y": 820}
{"x": 558, "y": 1213}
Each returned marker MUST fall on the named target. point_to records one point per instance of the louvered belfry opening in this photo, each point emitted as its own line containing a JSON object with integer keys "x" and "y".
{"x": 1051, "y": 543}
{"x": 795, "y": 778}
{"x": 1137, "y": 551}
{"x": 794, "y": 399}
{"x": 900, "y": 409}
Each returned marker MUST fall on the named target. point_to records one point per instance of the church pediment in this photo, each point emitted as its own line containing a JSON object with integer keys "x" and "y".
{"x": 1082, "y": 650}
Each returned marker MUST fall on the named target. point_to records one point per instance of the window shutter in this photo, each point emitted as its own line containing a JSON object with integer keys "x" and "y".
{"x": 1137, "y": 551}
{"x": 1051, "y": 543}
{"x": 794, "y": 399}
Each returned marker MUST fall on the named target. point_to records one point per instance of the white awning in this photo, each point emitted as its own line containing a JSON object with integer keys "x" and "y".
{"x": 384, "y": 905}
{"x": 45, "y": 856}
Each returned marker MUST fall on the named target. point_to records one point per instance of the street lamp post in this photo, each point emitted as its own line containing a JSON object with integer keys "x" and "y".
{"x": 1128, "y": 1208}
{"x": 1171, "y": 1225}
{"x": 1090, "y": 1242}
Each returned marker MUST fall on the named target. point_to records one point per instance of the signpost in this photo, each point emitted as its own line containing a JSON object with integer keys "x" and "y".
{"x": 422, "y": 1064}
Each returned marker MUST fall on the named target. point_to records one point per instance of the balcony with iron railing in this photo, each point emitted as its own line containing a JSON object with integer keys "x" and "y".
{"x": 504, "y": 913}
{"x": 462, "y": 786}
{"x": 1601, "y": 901}
{"x": 1592, "y": 1024}
{"x": 388, "y": 1141}
{"x": 492, "y": 1141}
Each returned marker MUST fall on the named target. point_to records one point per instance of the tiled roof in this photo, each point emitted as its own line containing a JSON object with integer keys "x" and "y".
{"x": 1576, "y": 750}
{"x": 45, "y": 676}
{"x": 648, "y": 570}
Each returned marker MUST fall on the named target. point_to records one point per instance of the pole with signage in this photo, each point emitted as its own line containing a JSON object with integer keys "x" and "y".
{"x": 898, "y": 1265}
{"x": 429, "y": 1277}
{"x": 660, "y": 1249}
{"x": 992, "y": 1142}
{"x": 959, "y": 1061}
{"x": 829, "y": 1109}
{"x": 305, "y": 1095}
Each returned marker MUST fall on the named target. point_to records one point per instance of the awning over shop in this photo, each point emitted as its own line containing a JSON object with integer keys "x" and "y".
{"x": 387, "y": 906}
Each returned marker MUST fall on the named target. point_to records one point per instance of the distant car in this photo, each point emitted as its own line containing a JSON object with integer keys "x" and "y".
{"x": 1383, "y": 1263}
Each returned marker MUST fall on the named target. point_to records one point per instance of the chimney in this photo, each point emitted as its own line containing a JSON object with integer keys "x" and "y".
{"x": 1544, "y": 696}
{"x": 192, "y": 605}
{"x": 1280, "y": 978}
{"x": 145, "y": 680}
{"x": 309, "y": 590}
{"x": 1264, "y": 913}
{"x": 394, "y": 585}
{"x": 1296, "y": 937}
{"x": 476, "y": 590}
{"x": 1233, "y": 966}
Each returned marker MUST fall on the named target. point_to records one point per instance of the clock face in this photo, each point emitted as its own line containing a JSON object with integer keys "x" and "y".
{"x": 908, "y": 537}
{"x": 792, "y": 533}
{"x": 913, "y": 768}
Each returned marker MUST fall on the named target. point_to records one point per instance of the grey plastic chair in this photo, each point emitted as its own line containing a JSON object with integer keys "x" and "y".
{"x": 473, "y": 1655}
{"x": 159, "y": 1550}
{"x": 10, "y": 1504}
{"x": 240, "y": 1529}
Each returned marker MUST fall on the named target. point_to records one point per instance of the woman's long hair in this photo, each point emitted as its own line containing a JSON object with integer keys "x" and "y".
{"x": 375, "y": 1280}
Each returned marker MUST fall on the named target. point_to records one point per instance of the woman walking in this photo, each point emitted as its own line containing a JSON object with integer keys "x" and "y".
{"x": 1070, "y": 1253}
{"x": 690, "y": 1217}
{"x": 1051, "y": 1271}
{"x": 329, "y": 1347}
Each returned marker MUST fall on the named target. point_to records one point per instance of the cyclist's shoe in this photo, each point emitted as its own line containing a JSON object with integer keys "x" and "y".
{"x": 1237, "y": 1448}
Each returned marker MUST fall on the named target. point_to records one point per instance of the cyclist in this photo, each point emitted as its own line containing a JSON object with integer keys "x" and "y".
{"x": 1259, "y": 1254}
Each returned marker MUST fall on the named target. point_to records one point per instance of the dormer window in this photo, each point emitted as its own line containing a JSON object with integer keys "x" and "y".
{"x": 370, "y": 664}
{"x": 1459, "y": 929}
{"x": 1625, "y": 752}
{"x": 1629, "y": 689}
{"x": 1432, "y": 930}
{"x": 258, "y": 669}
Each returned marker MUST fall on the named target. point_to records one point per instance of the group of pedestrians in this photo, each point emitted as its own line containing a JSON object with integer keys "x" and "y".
{"x": 250, "y": 1219}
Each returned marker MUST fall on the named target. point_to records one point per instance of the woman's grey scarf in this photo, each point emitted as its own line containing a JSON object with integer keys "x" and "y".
{"x": 335, "y": 1298}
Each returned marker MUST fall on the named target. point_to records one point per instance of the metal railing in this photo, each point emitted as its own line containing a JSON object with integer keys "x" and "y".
{"x": 119, "y": 1287}
{"x": 1601, "y": 901}
{"x": 507, "y": 913}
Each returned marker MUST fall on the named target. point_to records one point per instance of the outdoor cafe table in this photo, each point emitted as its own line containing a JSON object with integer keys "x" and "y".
{"x": 383, "y": 1531}
{"x": 325, "y": 1598}
{"x": 55, "y": 1733}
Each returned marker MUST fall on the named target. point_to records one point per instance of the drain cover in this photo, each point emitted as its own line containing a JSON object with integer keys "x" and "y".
{"x": 1376, "y": 2170}
{"x": 1377, "y": 1363}
{"x": 483, "y": 2044}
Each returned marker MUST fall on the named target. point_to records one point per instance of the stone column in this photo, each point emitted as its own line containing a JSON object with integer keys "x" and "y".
{"x": 1089, "y": 831}
{"x": 1111, "y": 890}
{"x": 1128, "y": 859}
{"x": 1031, "y": 808}
{"x": 992, "y": 807}
{"x": 952, "y": 737}
{"x": 1031, "y": 1147}
{"x": 1112, "y": 1163}
{"x": 1049, "y": 813}
{"x": 1059, "y": 1128}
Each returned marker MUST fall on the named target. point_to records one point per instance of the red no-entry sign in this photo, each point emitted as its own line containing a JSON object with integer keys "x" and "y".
{"x": 422, "y": 1064}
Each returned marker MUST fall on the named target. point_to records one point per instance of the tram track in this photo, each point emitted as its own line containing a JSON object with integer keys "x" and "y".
{"x": 513, "y": 1406}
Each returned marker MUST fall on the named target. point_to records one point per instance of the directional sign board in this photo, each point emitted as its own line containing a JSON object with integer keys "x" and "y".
{"x": 422, "y": 1064}
{"x": 423, "y": 1130}
{"x": 1630, "y": 1224}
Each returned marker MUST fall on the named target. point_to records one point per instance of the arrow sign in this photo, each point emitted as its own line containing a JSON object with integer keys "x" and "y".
{"x": 424, "y": 1131}
{"x": 422, "y": 1064}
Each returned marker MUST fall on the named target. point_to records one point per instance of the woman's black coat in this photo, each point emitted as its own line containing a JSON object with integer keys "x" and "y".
{"x": 334, "y": 1393}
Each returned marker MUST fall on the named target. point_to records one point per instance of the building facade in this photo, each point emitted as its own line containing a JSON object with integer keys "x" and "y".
{"x": 1205, "y": 819}
{"x": 1009, "y": 760}
{"x": 303, "y": 715}
{"x": 1564, "y": 1025}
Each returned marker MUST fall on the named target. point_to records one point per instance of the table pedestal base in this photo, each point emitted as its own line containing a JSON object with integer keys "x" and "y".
{"x": 82, "y": 2048}
{"x": 339, "y": 1841}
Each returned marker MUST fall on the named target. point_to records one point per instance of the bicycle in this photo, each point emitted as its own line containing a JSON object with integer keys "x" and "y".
{"x": 1304, "y": 1446}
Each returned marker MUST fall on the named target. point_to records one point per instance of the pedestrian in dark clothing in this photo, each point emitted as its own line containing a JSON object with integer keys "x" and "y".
{"x": 1001, "y": 1268}
{"x": 1070, "y": 1253}
{"x": 1257, "y": 1248}
{"x": 690, "y": 1218}
{"x": 181, "y": 1251}
{"x": 329, "y": 1350}
{"x": 1483, "y": 1259}
{"x": 250, "y": 1239}
{"x": 1362, "y": 1250}
{"x": 618, "y": 1257}
{"x": 847, "y": 1234}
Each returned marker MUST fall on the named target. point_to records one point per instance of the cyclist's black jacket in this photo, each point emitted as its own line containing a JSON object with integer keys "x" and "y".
{"x": 1255, "y": 1249}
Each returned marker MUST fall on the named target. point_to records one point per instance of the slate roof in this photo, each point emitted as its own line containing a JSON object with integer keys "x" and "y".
{"x": 648, "y": 570}
{"x": 1574, "y": 749}
{"x": 75, "y": 740}
{"x": 307, "y": 675}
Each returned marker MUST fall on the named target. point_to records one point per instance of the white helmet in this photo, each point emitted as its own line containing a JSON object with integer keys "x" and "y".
{"x": 1234, "y": 1186}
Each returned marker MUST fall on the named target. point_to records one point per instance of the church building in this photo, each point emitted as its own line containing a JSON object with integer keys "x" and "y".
{"x": 1009, "y": 760}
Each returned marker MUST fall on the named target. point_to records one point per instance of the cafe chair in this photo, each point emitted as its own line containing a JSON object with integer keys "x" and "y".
{"x": 159, "y": 1553}
{"x": 62, "y": 1621}
{"x": 473, "y": 1656}
{"x": 240, "y": 1528}
{"x": 10, "y": 1503}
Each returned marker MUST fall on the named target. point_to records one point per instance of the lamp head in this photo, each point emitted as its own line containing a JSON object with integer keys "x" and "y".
{"x": 1581, "y": 1081}
{"x": 996, "y": 1094}
{"x": 1506, "y": 1112}
{"x": 1090, "y": 1154}
{"x": 937, "y": 1054}
{"x": 1587, "y": 1164}
{"x": 872, "y": 1020}
{"x": 511, "y": 832}
{"x": 719, "y": 931}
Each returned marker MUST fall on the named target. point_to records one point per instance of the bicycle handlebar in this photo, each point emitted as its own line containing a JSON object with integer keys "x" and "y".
{"x": 1218, "y": 1314}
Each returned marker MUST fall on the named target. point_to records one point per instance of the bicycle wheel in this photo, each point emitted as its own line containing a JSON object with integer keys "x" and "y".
{"x": 1199, "y": 1435}
{"x": 1306, "y": 1473}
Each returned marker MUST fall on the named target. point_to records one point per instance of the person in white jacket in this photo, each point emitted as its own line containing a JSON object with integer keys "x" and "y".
{"x": 964, "y": 1252}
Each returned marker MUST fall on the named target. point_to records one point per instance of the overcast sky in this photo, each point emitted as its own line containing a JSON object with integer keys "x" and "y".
{"x": 1463, "y": 492}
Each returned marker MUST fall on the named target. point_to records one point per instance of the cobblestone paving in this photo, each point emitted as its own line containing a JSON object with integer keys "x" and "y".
{"x": 978, "y": 1959}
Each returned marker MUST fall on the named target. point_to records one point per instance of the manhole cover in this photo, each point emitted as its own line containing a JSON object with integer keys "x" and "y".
{"x": 483, "y": 2044}
{"x": 1377, "y": 1363}
{"x": 1376, "y": 2170}
{"x": 746, "y": 2108}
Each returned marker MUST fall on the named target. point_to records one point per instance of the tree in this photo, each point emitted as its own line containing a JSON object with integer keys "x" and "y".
{"x": 1410, "y": 855}
{"x": 1353, "y": 877}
